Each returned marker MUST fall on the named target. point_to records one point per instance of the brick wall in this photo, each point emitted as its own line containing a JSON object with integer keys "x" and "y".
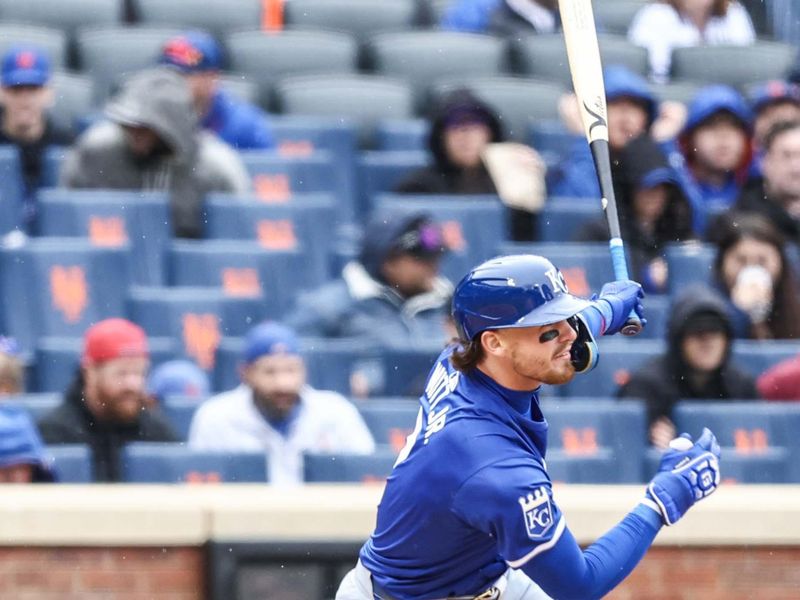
{"x": 754, "y": 573}
{"x": 102, "y": 573}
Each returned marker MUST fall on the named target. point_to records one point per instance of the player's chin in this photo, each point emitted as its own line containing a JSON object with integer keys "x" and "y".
{"x": 561, "y": 372}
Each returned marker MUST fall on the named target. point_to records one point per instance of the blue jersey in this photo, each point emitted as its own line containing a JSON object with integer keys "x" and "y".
{"x": 240, "y": 124}
{"x": 469, "y": 495}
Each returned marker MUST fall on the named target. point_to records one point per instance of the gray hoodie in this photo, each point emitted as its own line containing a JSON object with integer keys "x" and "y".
{"x": 196, "y": 163}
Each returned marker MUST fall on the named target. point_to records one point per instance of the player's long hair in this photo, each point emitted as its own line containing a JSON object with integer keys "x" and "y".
{"x": 718, "y": 9}
{"x": 467, "y": 355}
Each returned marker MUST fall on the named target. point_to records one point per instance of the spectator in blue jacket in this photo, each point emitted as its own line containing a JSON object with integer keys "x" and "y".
{"x": 508, "y": 18}
{"x": 22, "y": 457}
{"x": 199, "y": 58}
{"x": 713, "y": 151}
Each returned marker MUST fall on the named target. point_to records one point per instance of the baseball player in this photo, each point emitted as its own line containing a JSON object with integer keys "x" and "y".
{"x": 468, "y": 511}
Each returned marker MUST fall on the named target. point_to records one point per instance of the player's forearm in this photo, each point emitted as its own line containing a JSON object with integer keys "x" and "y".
{"x": 565, "y": 572}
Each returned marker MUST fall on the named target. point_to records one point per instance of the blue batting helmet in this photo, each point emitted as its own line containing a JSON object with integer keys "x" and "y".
{"x": 522, "y": 290}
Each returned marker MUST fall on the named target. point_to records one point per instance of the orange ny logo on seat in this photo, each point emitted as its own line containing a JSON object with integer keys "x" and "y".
{"x": 579, "y": 441}
{"x": 107, "y": 231}
{"x": 69, "y": 291}
{"x": 295, "y": 147}
{"x": 201, "y": 338}
{"x": 272, "y": 188}
{"x": 198, "y": 477}
{"x": 750, "y": 441}
{"x": 240, "y": 283}
{"x": 576, "y": 281}
{"x": 276, "y": 234}
{"x": 453, "y": 235}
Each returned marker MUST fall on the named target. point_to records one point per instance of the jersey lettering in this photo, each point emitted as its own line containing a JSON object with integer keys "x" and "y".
{"x": 435, "y": 422}
{"x": 440, "y": 384}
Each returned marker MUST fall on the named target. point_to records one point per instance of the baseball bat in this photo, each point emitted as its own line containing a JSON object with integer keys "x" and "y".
{"x": 583, "y": 52}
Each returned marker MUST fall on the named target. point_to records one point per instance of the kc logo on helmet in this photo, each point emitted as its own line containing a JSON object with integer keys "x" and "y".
{"x": 537, "y": 512}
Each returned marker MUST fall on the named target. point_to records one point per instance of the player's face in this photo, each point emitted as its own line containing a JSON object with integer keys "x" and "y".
{"x": 276, "y": 381}
{"x": 782, "y": 166}
{"x": 627, "y": 119}
{"x": 704, "y": 350}
{"x": 464, "y": 143}
{"x": 747, "y": 252}
{"x": 540, "y": 354}
{"x": 719, "y": 144}
{"x": 115, "y": 389}
{"x": 774, "y": 113}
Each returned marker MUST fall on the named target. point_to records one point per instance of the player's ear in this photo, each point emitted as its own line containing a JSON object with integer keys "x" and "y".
{"x": 492, "y": 342}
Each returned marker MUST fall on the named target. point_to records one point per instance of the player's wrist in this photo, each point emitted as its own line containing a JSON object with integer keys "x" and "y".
{"x": 648, "y": 511}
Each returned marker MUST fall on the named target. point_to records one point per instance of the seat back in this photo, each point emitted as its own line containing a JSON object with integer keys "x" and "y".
{"x": 62, "y": 15}
{"x": 733, "y": 65}
{"x": 72, "y": 463}
{"x": 74, "y": 99}
{"x": 382, "y": 171}
{"x": 356, "y": 17}
{"x": 52, "y": 40}
{"x": 350, "y": 468}
{"x": 179, "y": 411}
{"x": 217, "y": 16}
{"x": 11, "y": 189}
{"x": 390, "y": 420}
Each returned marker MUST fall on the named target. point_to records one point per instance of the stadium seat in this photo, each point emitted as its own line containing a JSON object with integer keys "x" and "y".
{"x": 72, "y": 463}
{"x": 545, "y": 56}
{"x": 60, "y": 286}
{"x": 390, "y": 420}
{"x": 73, "y": 99}
{"x": 179, "y": 411}
{"x": 196, "y": 317}
{"x": 34, "y": 404}
{"x": 53, "y": 41}
{"x": 402, "y": 134}
{"x": 57, "y": 360}
{"x": 267, "y": 57}
{"x": 244, "y": 271}
{"x": 689, "y": 263}
{"x": 424, "y": 57}
{"x": 677, "y": 91}
{"x": 406, "y": 368}
{"x": 552, "y": 141}
{"x": 586, "y": 427}
{"x": 733, "y": 65}
{"x": 473, "y": 226}
{"x": 301, "y": 136}
{"x": 110, "y": 219}
{"x": 562, "y": 218}
{"x": 277, "y": 179}
{"x": 216, "y": 16}
{"x": 516, "y": 101}
{"x": 615, "y": 16}
{"x": 770, "y": 465}
{"x": 381, "y": 171}
{"x": 62, "y": 15}
{"x": 756, "y": 356}
{"x": 362, "y": 100}
{"x": 11, "y": 189}
{"x": 241, "y": 87}
{"x": 618, "y": 360}
{"x": 110, "y": 55}
{"x": 586, "y": 266}
{"x": 347, "y": 468}
{"x": 144, "y": 462}
{"x": 600, "y": 467}
{"x": 657, "y": 310}
{"x": 356, "y": 17}
{"x": 302, "y": 226}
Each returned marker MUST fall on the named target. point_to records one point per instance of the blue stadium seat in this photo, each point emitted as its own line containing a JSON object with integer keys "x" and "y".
{"x": 217, "y": 16}
{"x": 279, "y": 178}
{"x": 72, "y": 463}
{"x": 689, "y": 263}
{"x": 52, "y": 40}
{"x": 584, "y": 428}
{"x": 11, "y": 189}
{"x": 562, "y": 218}
{"x": 402, "y": 134}
{"x": 390, "y": 420}
{"x": 34, "y": 404}
{"x": 196, "y": 318}
{"x": 406, "y": 368}
{"x": 756, "y": 356}
{"x": 748, "y": 428}
{"x": 600, "y": 467}
{"x": 656, "y": 311}
{"x": 341, "y": 468}
{"x": 179, "y": 411}
{"x": 585, "y": 266}
{"x": 771, "y": 465}
{"x": 618, "y": 360}
{"x": 144, "y": 462}
{"x": 382, "y": 171}
{"x": 57, "y": 360}
{"x": 60, "y": 286}
{"x": 301, "y": 228}
{"x": 109, "y": 219}
{"x": 473, "y": 225}
{"x": 226, "y": 366}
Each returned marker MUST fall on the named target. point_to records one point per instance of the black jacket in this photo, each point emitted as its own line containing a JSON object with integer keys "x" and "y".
{"x": 753, "y": 199}
{"x": 664, "y": 380}
{"x": 72, "y": 423}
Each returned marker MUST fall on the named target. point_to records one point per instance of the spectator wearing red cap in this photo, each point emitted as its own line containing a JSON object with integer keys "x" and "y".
{"x": 105, "y": 405}
{"x": 198, "y": 57}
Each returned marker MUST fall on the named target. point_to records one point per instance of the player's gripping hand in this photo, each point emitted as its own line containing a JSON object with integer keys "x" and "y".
{"x": 689, "y": 471}
{"x": 616, "y": 301}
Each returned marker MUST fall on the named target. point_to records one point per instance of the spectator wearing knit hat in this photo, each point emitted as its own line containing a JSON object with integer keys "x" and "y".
{"x": 198, "y": 57}
{"x": 275, "y": 411}
{"x": 22, "y": 457}
{"x": 104, "y": 407}
{"x": 178, "y": 377}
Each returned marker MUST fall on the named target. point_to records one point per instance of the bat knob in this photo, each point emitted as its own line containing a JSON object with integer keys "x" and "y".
{"x": 631, "y": 328}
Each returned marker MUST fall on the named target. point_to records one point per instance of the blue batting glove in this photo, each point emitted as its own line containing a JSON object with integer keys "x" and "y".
{"x": 616, "y": 301}
{"x": 688, "y": 473}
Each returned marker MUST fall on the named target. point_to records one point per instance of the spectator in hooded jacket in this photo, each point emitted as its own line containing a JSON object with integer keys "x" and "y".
{"x": 198, "y": 57}
{"x": 462, "y": 127}
{"x": 662, "y": 26}
{"x": 652, "y": 212}
{"x": 393, "y": 293}
{"x": 22, "y": 458}
{"x": 104, "y": 406}
{"x": 696, "y": 364}
{"x": 152, "y": 142}
{"x": 713, "y": 151}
